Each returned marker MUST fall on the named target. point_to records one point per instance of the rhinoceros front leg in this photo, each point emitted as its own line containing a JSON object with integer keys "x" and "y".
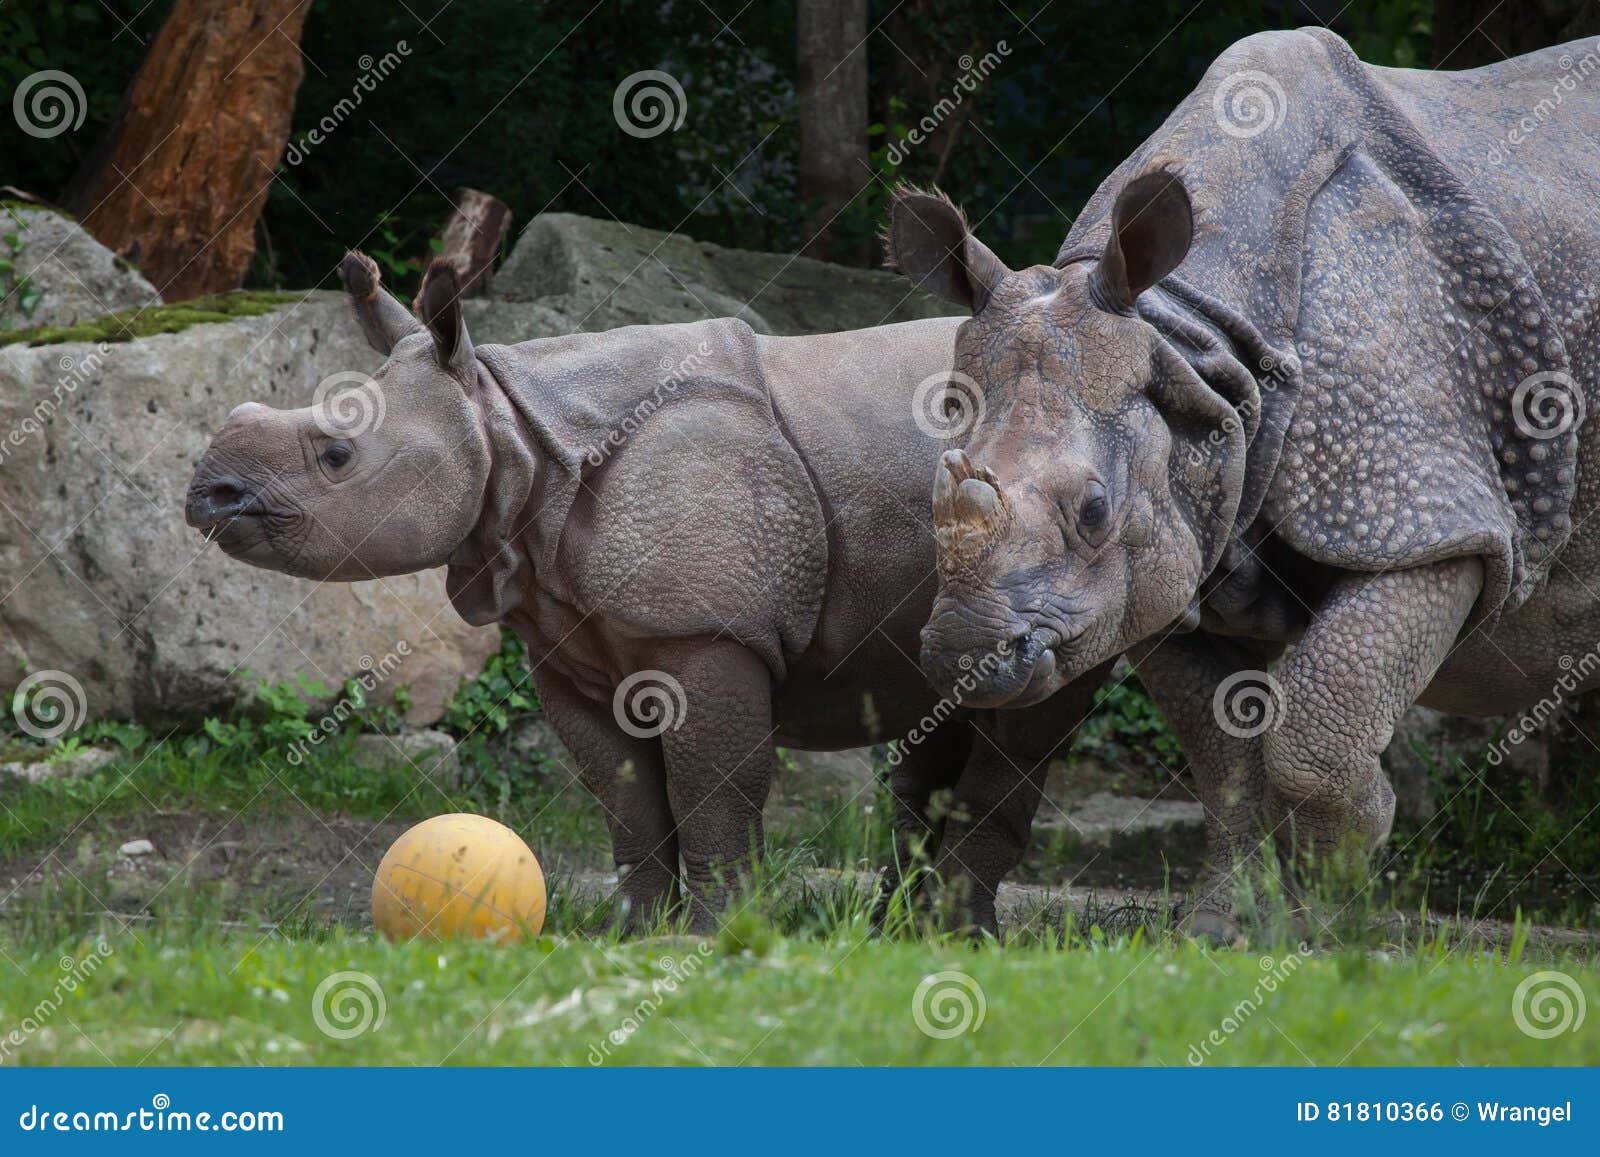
{"x": 719, "y": 756}
{"x": 1186, "y": 675}
{"x": 998, "y": 795}
{"x": 628, "y": 776}
{"x": 1372, "y": 647}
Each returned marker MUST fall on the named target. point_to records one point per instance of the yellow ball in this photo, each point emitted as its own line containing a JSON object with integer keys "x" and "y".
{"x": 459, "y": 876}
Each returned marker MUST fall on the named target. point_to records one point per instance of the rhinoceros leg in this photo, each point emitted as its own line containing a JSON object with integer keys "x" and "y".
{"x": 1371, "y": 649}
{"x": 998, "y": 795}
{"x": 1183, "y": 674}
{"x": 719, "y": 768}
{"x": 923, "y": 769}
{"x": 628, "y": 777}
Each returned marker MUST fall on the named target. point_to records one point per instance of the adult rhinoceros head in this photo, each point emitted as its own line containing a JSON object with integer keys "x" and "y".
{"x": 379, "y": 478}
{"x": 1093, "y": 491}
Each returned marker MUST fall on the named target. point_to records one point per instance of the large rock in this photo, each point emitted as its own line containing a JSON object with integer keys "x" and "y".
{"x": 603, "y": 274}
{"x": 102, "y": 579}
{"x": 73, "y": 275}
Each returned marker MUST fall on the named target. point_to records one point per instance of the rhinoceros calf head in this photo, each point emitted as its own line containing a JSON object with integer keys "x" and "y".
{"x": 1062, "y": 535}
{"x": 383, "y": 479}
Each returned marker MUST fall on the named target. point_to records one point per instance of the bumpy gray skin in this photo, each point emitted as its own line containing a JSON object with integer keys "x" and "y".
{"x": 1266, "y": 404}
{"x": 742, "y": 517}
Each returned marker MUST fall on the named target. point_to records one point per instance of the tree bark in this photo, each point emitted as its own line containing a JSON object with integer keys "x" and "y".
{"x": 472, "y": 236}
{"x": 1469, "y": 33}
{"x": 204, "y": 127}
{"x": 832, "y": 72}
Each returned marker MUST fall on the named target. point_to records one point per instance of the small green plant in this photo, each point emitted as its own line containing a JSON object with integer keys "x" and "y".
{"x": 503, "y": 691}
{"x": 1126, "y": 724}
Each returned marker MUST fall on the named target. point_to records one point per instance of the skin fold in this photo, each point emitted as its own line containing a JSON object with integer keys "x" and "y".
{"x": 1299, "y": 406}
{"x": 712, "y": 543}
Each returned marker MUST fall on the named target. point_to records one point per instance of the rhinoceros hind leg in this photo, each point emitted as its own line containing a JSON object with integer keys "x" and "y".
{"x": 1372, "y": 647}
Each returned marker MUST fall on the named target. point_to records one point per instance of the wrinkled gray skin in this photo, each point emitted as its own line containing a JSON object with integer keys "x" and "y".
{"x": 743, "y": 517}
{"x": 1265, "y": 407}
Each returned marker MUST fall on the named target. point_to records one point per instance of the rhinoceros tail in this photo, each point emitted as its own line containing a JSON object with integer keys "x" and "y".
{"x": 359, "y": 275}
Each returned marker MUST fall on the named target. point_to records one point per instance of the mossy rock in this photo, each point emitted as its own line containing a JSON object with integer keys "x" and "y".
{"x": 132, "y": 323}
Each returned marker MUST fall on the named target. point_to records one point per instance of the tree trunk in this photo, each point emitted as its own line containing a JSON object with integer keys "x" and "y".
{"x": 1469, "y": 33}
{"x": 471, "y": 238}
{"x": 832, "y": 73}
{"x": 204, "y": 127}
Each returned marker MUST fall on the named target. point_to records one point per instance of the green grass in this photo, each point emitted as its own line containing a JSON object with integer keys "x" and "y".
{"x": 193, "y": 994}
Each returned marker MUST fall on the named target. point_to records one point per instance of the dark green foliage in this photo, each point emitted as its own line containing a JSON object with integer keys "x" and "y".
{"x": 1126, "y": 726}
{"x": 515, "y": 97}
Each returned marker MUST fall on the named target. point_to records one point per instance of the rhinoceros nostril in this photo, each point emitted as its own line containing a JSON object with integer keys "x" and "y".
{"x": 226, "y": 496}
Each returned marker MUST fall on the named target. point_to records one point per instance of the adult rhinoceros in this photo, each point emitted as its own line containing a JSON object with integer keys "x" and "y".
{"x": 1309, "y": 369}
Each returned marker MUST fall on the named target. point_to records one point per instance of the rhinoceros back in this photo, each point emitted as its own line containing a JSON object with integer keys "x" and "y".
{"x": 1419, "y": 305}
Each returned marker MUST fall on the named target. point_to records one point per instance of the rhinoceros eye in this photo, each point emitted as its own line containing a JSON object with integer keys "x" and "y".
{"x": 337, "y": 455}
{"x": 1096, "y": 507}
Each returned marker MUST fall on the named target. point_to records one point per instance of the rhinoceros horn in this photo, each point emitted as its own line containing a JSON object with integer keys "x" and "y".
{"x": 968, "y": 508}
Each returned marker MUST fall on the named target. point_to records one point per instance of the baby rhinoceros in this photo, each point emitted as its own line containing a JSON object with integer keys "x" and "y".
{"x": 711, "y": 542}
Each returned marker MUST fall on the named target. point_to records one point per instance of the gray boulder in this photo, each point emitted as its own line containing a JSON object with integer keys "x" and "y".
{"x": 70, "y": 277}
{"x": 603, "y": 274}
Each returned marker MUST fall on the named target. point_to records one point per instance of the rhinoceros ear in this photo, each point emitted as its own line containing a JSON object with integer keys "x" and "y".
{"x": 929, "y": 242}
{"x": 1152, "y": 225}
{"x": 439, "y": 303}
{"x": 382, "y": 318}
